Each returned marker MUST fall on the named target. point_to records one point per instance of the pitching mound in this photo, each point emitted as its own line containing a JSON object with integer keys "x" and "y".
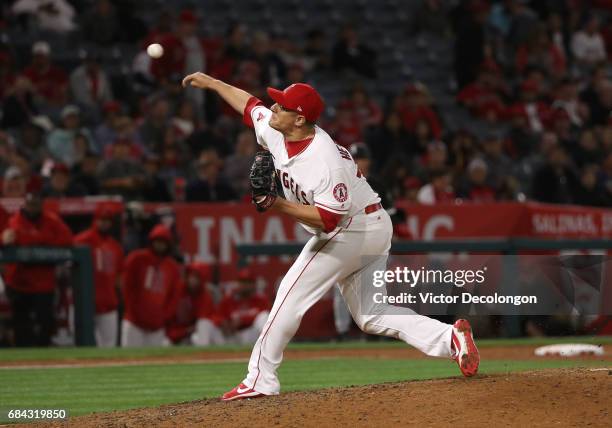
{"x": 540, "y": 398}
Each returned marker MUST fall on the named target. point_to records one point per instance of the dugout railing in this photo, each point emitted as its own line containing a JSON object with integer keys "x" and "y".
{"x": 82, "y": 283}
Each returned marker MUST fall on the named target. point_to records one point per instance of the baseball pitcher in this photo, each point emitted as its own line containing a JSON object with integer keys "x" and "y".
{"x": 326, "y": 193}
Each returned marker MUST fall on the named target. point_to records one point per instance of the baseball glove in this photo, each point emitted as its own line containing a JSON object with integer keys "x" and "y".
{"x": 263, "y": 181}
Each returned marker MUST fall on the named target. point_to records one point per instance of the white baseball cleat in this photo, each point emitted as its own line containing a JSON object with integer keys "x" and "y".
{"x": 466, "y": 353}
{"x": 241, "y": 392}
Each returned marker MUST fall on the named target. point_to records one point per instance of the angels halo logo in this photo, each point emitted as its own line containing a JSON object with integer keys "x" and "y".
{"x": 340, "y": 192}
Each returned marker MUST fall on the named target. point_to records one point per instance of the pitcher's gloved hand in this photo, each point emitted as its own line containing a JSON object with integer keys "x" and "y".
{"x": 263, "y": 181}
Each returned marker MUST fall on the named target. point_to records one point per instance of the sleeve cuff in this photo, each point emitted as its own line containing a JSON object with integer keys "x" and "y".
{"x": 330, "y": 219}
{"x": 251, "y": 104}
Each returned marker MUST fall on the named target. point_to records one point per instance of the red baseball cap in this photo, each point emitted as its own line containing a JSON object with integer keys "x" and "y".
{"x": 301, "y": 98}
{"x": 160, "y": 232}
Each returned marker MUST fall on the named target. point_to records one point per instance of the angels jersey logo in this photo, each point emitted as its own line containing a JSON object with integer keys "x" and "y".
{"x": 340, "y": 192}
{"x": 261, "y": 116}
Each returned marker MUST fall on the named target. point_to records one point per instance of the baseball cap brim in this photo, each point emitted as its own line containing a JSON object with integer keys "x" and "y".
{"x": 277, "y": 96}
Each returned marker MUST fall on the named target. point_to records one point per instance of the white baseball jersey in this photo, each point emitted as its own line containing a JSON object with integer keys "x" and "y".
{"x": 323, "y": 174}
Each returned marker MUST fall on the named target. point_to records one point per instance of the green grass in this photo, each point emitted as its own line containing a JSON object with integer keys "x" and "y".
{"x": 40, "y": 354}
{"x": 101, "y": 389}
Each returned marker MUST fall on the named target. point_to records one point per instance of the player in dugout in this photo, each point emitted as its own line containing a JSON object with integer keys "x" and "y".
{"x": 107, "y": 256}
{"x": 195, "y": 310}
{"x": 31, "y": 287}
{"x": 151, "y": 283}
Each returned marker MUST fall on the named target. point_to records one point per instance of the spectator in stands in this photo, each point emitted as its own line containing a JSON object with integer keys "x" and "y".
{"x": 89, "y": 85}
{"x": 389, "y": 141}
{"x": 243, "y": 312}
{"x": 413, "y": 105}
{"x": 521, "y": 140}
{"x": 101, "y": 24}
{"x": 151, "y": 285}
{"x": 239, "y": 162}
{"x": 188, "y": 55}
{"x": 32, "y": 140}
{"x": 462, "y": 150}
{"x": 474, "y": 186}
{"x": 365, "y": 110}
{"x": 530, "y": 107}
{"x": 18, "y": 106}
{"x": 588, "y": 46}
{"x": 14, "y": 184}
{"x": 185, "y": 121}
{"x": 434, "y": 159}
{"x": 153, "y": 130}
{"x": 471, "y": 45}
{"x": 7, "y": 73}
{"x": 438, "y": 190}
{"x": 85, "y": 172}
{"x": 588, "y": 151}
{"x": 61, "y": 185}
{"x": 30, "y": 287}
{"x": 155, "y": 188}
{"x": 498, "y": 163}
{"x": 523, "y": 24}
{"x": 484, "y": 96}
{"x": 540, "y": 51}
{"x": 566, "y": 98}
{"x": 125, "y": 131}
{"x": 274, "y": 69}
{"x": 61, "y": 141}
{"x": 349, "y": 54}
{"x": 50, "y": 15}
{"x": 7, "y": 147}
{"x": 598, "y": 96}
{"x": 107, "y": 257}
{"x": 50, "y": 82}
{"x": 121, "y": 175}
{"x": 361, "y": 155}
{"x": 555, "y": 181}
{"x": 316, "y": 53}
{"x": 209, "y": 185}
{"x": 345, "y": 129}
{"x": 589, "y": 192}
{"x": 106, "y": 132}
{"x": 561, "y": 125}
{"x": 193, "y": 322}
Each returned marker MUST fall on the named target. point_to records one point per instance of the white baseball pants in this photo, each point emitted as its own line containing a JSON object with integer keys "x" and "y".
{"x": 134, "y": 336}
{"x": 206, "y": 333}
{"x": 340, "y": 257}
{"x": 106, "y": 329}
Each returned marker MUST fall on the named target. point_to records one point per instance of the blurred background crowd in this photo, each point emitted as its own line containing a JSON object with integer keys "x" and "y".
{"x": 437, "y": 100}
{"x": 440, "y": 99}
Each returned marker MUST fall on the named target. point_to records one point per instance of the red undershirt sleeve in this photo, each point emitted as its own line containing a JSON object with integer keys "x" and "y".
{"x": 330, "y": 219}
{"x": 251, "y": 104}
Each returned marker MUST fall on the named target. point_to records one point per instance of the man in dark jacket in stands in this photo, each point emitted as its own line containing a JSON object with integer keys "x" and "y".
{"x": 209, "y": 185}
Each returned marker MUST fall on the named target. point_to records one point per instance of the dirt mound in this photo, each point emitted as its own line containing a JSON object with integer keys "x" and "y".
{"x": 540, "y": 398}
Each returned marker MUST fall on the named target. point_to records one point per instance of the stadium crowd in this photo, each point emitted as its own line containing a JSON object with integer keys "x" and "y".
{"x": 536, "y": 73}
{"x": 539, "y": 70}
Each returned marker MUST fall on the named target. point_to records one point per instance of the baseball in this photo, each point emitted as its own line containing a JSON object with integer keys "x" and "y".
{"x": 155, "y": 50}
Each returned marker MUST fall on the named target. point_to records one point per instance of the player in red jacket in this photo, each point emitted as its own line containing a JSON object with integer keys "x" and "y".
{"x": 31, "y": 287}
{"x": 242, "y": 314}
{"x": 107, "y": 257}
{"x": 151, "y": 283}
{"x": 195, "y": 309}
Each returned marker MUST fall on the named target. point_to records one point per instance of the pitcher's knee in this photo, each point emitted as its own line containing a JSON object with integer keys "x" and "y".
{"x": 367, "y": 324}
